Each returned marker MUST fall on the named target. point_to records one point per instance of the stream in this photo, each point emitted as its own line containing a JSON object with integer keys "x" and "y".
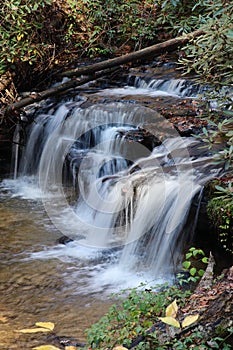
{"x": 99, "y": 202}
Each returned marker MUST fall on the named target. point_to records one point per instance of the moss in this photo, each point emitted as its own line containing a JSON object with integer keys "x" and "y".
{"x": 220, "y": 213}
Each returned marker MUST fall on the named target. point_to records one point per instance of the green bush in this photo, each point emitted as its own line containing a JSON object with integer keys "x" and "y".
{"x": 100, "y": 27}
{"x": 22, "y": 25}
{"x": 210, "y": 55}
{"x": 220, "y": 212}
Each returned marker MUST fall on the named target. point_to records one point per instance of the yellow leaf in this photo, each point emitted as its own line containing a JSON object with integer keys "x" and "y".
{"x": 20, "y": 36}
{"x": 172, "y": 309}
{"x": 119, "y": 348}
{"x": 48, "y": 325}
{"x": 171, "y": 321}
{"x": 33, "y": 330}
{"x": 46, "y": 347}
{"x": 189, "y": 320}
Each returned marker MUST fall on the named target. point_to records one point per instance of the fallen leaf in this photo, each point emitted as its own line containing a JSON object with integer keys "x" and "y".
{"x": 189, "y": 320}
{"x": 48, "y": 325}
{"x": 171, "y": 321}
{"x": 3, "y": 319}
{"x": 33, "y": 330}
{"x": 172, "y": 309}
{"x": 119, "y": 348}
{"x": 46, "y": 347}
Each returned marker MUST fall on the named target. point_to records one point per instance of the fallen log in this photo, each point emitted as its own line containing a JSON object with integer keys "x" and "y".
{"x": 55, "y": 90}
{"x": 94, "y": 71}
{"x": 166, "y": 46}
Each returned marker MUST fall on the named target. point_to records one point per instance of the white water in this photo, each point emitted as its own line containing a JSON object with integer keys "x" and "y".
{"x": 126, "y": 224}
{"x": 156, "y": 87}
{"x": 175, "y": 87}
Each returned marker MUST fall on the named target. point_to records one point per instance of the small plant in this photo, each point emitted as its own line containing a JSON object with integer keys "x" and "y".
{"x": 193, "y": 258}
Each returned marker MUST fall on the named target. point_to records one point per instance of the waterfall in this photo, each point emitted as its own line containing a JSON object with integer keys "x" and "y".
{"x": 149, "y": 86}
{"x": 124, "y": 196}
{"x": 175, "y": 86}
{"x": 15, "y": 150}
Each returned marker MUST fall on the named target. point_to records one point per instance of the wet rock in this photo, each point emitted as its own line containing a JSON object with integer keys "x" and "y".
{"x": 141, "y": 136}
{"x": 64, "y": 240}
{"x": 71, "y": 342}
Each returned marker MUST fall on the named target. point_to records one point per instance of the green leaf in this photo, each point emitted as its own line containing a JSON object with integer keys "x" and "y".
{"x": 201, "y": 272}
{"x": 205, "y": 131}
{"x": 220, "y": 188}
{"x": 188, "y": 255}
{"x": 193, "y": 279}
{"x": 195, "y": 252}
{"x": 193, "y": 271}
{"x": 186, "y": 264}
{"x": 192, "y": 249}
{"x": 205, "y": 260}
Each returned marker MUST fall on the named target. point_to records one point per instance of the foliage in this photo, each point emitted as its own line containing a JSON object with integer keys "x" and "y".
{"x": 193, "y": 258}
{"x": 34, "y": 32}
{"x": 133, "y": 316}
{"x": 39, "y": 36}
{"x": 220, "y": 211}
{"x": 216, "y": 107}
{"x": 23, "y": 28}
{"x": 100, "y": 29}
{"x": 210, "y": 55}
{"x": 194, "y": 341}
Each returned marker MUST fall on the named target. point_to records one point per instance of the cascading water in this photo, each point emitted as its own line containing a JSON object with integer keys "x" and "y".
{"x": 176, "y": 87}
{"x": 118, "y": 180}
{"x": 147, "y": 85}
{"x": 111, "y": 194}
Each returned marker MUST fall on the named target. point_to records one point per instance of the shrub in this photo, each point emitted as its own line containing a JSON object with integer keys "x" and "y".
{"x": 22, "y": 26}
